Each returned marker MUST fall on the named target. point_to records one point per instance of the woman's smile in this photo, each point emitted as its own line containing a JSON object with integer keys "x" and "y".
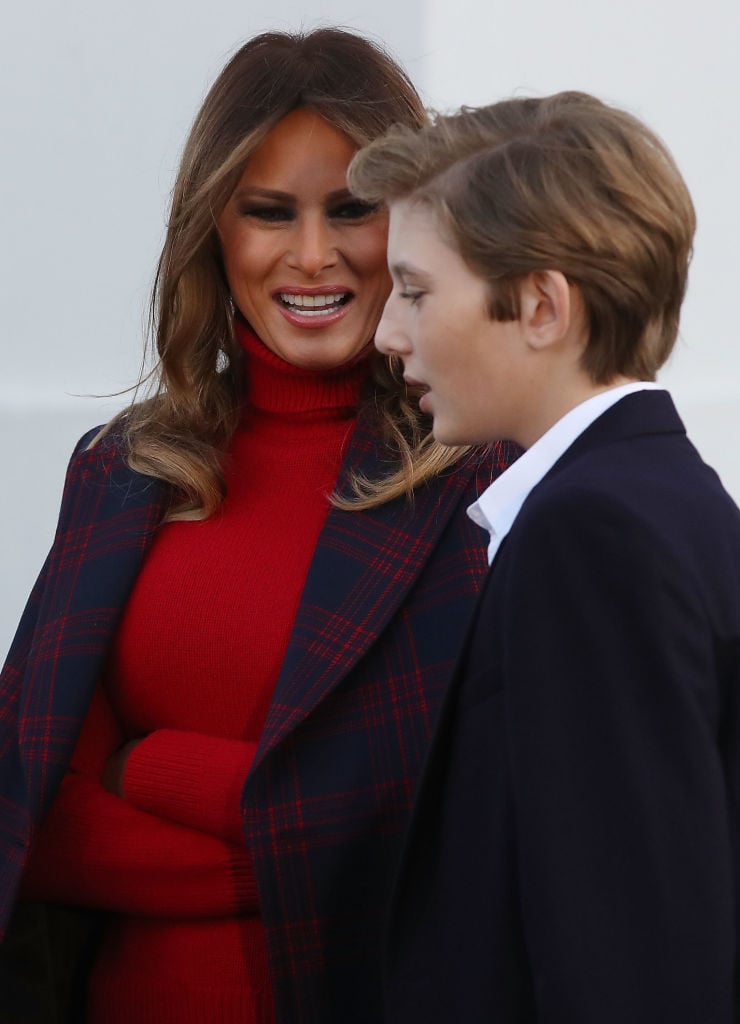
{"x": 313, "y": 308}
{"x": 305, "y": 260}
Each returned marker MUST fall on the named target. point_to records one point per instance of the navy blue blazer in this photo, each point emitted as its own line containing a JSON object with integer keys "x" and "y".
{"x": 573, "y": 855}
{"x": 383, "y": 614}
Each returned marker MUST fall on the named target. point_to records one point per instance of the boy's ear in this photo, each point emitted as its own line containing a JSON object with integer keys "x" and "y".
{"x": 546, "y": 307}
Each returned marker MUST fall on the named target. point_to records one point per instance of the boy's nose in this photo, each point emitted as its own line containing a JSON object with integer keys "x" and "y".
{"x": 390, "y": 337}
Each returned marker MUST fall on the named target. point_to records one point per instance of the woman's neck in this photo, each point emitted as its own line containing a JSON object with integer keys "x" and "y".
{"x": 273, "y": 385}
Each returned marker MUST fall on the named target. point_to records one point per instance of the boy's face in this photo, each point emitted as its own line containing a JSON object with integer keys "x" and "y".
{"x": 471, "y": 368}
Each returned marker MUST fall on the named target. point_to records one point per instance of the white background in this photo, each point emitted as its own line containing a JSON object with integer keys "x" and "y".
{"x": 96, "y": 100}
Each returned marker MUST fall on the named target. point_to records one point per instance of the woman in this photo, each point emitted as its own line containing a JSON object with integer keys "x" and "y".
{"x": 255, "y": 596}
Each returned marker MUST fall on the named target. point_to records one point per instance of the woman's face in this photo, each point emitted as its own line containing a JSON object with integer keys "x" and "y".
{"x": 305, "y": 261}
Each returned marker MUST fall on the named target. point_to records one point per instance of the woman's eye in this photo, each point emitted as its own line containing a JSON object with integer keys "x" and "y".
{"x": 269, "y": 214}
{"x": 353, "y": 209}
{"x": 414, "y": 297}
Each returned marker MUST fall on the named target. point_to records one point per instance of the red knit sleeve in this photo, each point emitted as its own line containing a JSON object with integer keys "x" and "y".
{"x": 95, "y": 849}
{"x": 190, "y": 779}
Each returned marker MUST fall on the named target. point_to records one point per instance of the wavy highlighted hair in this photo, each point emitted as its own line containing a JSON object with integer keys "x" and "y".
{"x": 179, "y": 433}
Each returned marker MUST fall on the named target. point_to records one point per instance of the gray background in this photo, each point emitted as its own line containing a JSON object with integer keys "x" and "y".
{"x": 96, "y": 100}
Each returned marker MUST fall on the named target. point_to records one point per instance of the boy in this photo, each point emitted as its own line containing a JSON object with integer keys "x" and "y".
{"x": 573, "y": 854}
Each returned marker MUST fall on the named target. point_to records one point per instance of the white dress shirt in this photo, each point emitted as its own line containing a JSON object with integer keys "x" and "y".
{"x": 499, "y": 505}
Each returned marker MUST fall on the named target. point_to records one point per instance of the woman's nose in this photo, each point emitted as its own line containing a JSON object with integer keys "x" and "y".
{"x": 313, "y": 246}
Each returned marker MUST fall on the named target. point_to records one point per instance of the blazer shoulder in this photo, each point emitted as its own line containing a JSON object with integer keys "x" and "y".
{"x": 99, "y": 483}
{"x": 101, "y": 456}
{"x": 92, "y": 448}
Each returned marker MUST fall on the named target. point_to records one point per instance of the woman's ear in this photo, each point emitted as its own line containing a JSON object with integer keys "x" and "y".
{"x": 546, "y": 307}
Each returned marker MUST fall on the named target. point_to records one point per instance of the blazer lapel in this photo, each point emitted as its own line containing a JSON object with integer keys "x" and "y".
{"x": 364, "y": 565}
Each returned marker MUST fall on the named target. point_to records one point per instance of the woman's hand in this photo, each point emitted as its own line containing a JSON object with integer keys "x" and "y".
{"x": 97, "y": 852}
{"x": 115, "y": 768}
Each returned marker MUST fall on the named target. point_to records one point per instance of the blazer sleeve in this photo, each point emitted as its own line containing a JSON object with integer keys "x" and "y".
{"x": 17, "y": 817}
{"x": 21, "y": 643}
{"x": 612, "y": 718}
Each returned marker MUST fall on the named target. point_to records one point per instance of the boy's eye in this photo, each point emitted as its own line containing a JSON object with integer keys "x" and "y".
{"x": 269, "y": 214}
{"x": 353, "y": 209}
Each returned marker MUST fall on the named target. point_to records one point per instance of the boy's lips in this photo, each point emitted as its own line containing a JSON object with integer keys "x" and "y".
{"x": 420, "y": 389}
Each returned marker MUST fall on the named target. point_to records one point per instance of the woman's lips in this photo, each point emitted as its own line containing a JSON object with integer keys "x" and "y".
{"x": 313, "y": 307}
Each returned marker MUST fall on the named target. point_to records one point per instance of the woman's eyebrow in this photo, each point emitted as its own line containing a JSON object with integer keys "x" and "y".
{"x": 341, "y": 194}
{"x": 254, "y": 192}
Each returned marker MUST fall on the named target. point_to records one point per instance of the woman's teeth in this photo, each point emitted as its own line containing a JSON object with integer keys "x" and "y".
{"x": 313, "y": 305}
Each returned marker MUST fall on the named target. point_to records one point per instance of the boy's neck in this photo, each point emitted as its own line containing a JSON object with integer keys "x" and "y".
{"x": 556, "y": 402}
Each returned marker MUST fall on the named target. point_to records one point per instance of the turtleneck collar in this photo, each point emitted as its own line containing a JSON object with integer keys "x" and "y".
{"x": 273, "y": 385}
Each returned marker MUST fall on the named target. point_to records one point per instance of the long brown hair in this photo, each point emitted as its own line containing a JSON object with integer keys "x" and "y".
{"x": 179, "y": 434}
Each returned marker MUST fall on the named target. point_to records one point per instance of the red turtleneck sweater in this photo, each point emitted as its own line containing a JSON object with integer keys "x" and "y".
{"x": 194, "y": 664}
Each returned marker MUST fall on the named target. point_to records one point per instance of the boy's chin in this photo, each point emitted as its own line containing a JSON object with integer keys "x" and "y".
{"x": 447, "y": 435}
{"x": 457, "y": 436}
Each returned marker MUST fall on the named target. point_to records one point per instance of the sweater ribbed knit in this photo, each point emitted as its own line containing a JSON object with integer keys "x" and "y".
{"x": 194, "y": 665}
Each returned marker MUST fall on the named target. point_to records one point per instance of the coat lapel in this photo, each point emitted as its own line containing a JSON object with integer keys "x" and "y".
{"x": 365, "y": 564}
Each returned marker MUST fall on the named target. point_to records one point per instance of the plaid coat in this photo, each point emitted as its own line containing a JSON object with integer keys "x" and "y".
{"x": 383, "y": 613}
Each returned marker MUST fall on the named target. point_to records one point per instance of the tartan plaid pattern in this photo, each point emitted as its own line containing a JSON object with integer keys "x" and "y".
{"x": 383, "y": 613}
{"x": 107, "y": 519}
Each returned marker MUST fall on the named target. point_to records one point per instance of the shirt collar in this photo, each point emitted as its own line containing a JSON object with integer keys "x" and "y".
{"x": 498, "y": 506}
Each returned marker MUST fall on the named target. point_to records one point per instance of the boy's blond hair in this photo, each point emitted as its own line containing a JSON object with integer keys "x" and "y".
{"x": 564, "y": 183}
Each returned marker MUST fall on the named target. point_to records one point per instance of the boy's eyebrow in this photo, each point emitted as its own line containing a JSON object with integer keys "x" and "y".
{"x": 406, "y": 270}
